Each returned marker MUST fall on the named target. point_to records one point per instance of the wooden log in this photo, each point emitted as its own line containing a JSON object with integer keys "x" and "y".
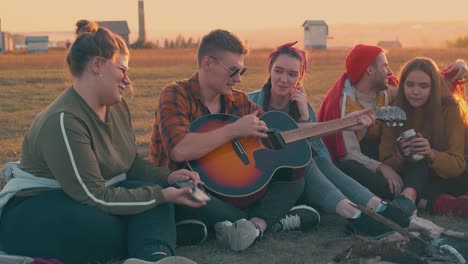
{"x": 433, "y": 230}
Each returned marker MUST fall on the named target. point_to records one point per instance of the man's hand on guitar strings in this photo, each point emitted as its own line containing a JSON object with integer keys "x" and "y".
{"x": 249, "y": 125}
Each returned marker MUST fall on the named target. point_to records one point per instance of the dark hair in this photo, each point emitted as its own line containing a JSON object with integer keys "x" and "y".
{"x": 220, "y": 40}
{"x": 438, "y": 98}
{"x": 293, "y": 109}
{"x": 93, "y": 41}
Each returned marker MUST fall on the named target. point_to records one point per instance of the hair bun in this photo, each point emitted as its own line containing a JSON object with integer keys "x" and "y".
{"x": 84, "y": 26}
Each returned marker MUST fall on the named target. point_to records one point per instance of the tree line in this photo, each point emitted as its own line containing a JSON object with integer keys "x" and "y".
{"x": 179, "y": 42}
{"x": 460, "y": 42}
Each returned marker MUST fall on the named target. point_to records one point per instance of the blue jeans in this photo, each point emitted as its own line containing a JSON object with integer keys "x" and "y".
{"x": 53, "y": 225}
{"x": 326, "y": 186}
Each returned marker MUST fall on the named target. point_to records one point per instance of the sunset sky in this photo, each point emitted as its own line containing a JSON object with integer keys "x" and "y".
{"x": 196, "y": 17}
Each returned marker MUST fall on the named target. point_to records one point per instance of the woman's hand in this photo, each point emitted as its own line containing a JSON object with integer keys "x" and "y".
{"x": 420, "y": 145}
{"x": 404, "y": 148}
{"x": 184, "y": 175}
{"x": 299, "y": 96}
{"x": 181, "y": 196}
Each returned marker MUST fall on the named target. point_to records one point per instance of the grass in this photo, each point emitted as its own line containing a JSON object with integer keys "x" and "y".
{"x": 29, "y": 82}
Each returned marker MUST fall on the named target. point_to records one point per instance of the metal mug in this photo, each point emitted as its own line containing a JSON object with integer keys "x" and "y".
{"x": 409, "y": 135}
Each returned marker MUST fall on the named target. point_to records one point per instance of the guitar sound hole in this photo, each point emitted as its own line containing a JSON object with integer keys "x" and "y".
{"x": 273, "y": 141}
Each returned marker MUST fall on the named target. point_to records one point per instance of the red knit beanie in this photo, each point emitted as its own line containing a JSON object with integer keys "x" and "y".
{"x": 359, "y": 58}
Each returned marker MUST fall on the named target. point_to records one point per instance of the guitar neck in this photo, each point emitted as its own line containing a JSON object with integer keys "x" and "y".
{"x": 317, "y": 130}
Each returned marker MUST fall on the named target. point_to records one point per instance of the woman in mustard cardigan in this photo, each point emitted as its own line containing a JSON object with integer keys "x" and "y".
{"x": 437, "y": 119}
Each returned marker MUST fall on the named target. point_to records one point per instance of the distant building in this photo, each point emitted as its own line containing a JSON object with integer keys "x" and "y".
{"x": 19, "y": 41}
{"x": 58, "y": 44}
{"x": 315, "y": 34}
{"x": 118, "y": 27}
{"x": 37, "y": 44}
{"x": 6, "y": 42}
{"x": 389, "y": 44}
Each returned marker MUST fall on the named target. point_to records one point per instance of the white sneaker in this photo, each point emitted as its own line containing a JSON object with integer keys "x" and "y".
{"x": 238, "y": 236}
{"x": 166, "y": 260}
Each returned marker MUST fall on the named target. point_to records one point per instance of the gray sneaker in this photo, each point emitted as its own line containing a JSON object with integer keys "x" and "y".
{"x": 167, "y": 260}
{"x": 238, "y": 236}
{"x": 300, "y": 217}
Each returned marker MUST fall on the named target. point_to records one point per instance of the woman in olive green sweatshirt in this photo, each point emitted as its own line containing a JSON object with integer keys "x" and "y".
{"x": 436, "y": 117}
{"x": 111, "y": 202}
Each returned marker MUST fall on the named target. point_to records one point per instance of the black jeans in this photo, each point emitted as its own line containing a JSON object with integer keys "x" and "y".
{"x": 370, "y": 147}
{"x": 414, "y": 175}
{"x": 278, "y": 199}
{"x": 436, "y": 186}
{"x": 375, "y": 182}
{"x": 52, "y": 225}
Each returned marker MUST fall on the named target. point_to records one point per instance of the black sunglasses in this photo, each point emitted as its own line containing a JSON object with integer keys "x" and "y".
{"x": 234, "y": 71}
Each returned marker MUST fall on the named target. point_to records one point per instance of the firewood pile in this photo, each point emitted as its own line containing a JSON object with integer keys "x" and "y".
{"x": 422, "y": 242}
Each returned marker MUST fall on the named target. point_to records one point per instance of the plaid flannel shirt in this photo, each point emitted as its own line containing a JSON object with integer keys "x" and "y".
{"x": 179, "y": 105}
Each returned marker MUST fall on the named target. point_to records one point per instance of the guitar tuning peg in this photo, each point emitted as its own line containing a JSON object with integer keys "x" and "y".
{"x": 387, "y": 123}
{"x": 400, "y": 124}
{"x": 394, "y": 124}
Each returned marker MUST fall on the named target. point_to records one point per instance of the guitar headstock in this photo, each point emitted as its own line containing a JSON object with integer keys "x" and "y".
{"x": 392, "y": 115}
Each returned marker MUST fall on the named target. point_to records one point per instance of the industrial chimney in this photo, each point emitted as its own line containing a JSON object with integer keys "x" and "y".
{"x": 141, "y": 22}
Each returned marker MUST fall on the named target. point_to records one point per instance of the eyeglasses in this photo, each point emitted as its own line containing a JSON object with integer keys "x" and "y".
{"x": 120, "y": 67}
{"x": 234, "y": 71}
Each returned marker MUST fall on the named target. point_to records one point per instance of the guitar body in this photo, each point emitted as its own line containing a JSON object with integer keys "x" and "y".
{"x": 239, "y": 170}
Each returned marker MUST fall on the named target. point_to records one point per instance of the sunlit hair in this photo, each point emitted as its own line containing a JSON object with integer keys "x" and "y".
{"x": 292, "y": 52}
{"x": 439, "y": 97}
{"x": 218, "y": 41}
{"x": 460, "y": 99}
{"x": 94, "y": 41}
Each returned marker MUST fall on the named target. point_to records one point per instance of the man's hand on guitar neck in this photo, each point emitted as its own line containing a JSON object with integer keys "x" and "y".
{"x": 365, "y": 118}
{"x": 249, "y": 125}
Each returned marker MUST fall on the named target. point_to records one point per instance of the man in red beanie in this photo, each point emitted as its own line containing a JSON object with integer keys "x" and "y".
{"x": 364, "y": 84}
{"x": 367, "y": 82}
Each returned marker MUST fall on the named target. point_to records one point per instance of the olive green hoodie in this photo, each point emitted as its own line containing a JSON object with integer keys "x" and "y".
{"x": 70, "y": 143}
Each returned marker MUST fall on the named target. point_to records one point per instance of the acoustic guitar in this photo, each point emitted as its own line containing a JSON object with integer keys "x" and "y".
{"x": 240, "y": 170}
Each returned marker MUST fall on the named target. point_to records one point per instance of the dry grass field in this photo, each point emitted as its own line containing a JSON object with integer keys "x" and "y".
{"x": 29, "y": 82}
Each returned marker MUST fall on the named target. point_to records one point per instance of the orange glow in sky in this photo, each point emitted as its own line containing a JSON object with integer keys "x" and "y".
{"x": 203, "y": 15}
{"x": 196, "y": 17}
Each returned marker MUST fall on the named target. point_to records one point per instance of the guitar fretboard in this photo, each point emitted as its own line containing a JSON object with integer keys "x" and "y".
{"x": 316, "y": 130}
